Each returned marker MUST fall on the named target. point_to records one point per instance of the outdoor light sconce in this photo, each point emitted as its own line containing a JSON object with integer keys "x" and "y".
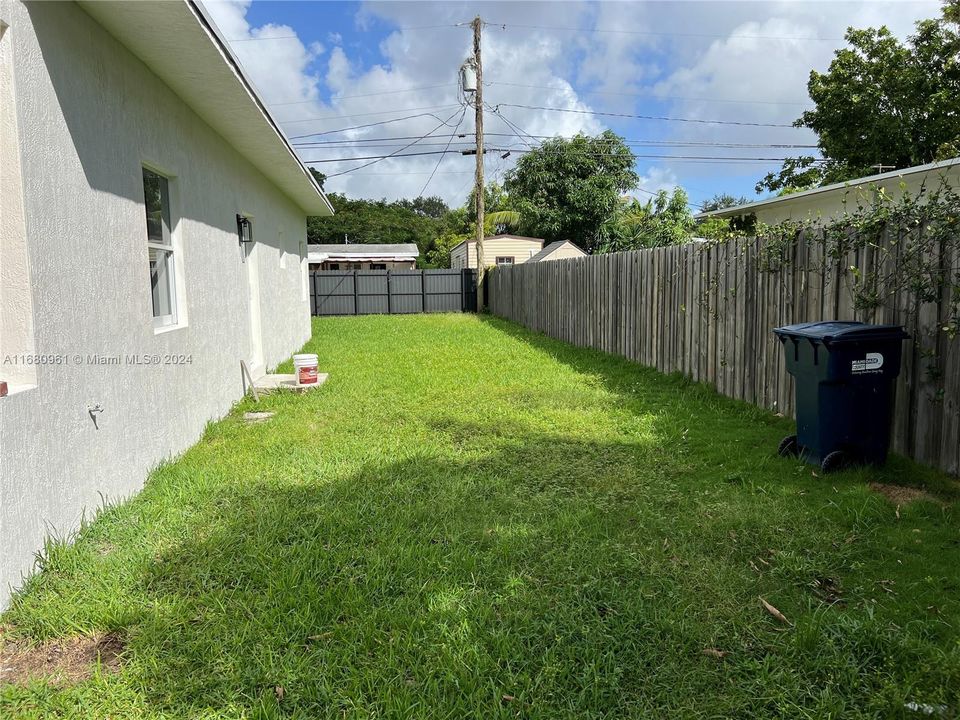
{"x": 243, "y": 229}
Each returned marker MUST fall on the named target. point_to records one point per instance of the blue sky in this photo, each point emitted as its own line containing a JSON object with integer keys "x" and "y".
{"x": 323, "y": 67}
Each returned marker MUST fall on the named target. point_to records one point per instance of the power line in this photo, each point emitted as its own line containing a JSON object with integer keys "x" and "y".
{"x": 359, "y": 127}
{"x": 515, "y": 128}
{"x": 374, "y": 161}
{"x": 469, "y": 144}
{"x": 618, "y": 31}
{"x": 648, "y": 117}
{"x": 354, "y": 115}
{"x": 368, "y": 142}
{"x": 651, "y": 95}
{"x": 405, "y": 173}
{"x": 710, "y": 158}
{"x": 445, "y": 150}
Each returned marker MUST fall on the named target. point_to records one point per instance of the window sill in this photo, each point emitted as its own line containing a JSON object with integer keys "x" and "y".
{"x": 162, "y": 329}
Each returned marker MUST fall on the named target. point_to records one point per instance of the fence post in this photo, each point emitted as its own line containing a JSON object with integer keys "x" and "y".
{"x": 389, "y": 298}
{"x": 356, "y": 300}
{"x": 423, "y": 292}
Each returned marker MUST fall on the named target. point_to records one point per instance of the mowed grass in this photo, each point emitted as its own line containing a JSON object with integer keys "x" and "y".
{"x": 472, "y": 521}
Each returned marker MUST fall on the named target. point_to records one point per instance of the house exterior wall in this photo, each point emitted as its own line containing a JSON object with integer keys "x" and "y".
{"x": 520, "y": 249}
{"x": 458, "y": 256}
{"x": 567, "y": 250}
{"x": 89, "y": 115}
{"x": 834, "y": 202}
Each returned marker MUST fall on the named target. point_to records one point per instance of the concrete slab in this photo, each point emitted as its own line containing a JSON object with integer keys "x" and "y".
{"x": 253, "y": 418}
{"x": 270, "y": 383}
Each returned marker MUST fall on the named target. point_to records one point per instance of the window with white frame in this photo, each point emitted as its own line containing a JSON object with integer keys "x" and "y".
{"x": 504, "y": 260}
{"x": 156, "y": 199}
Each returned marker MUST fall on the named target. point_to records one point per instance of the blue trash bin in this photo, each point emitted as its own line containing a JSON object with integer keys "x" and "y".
{"x": 845, "y": 374}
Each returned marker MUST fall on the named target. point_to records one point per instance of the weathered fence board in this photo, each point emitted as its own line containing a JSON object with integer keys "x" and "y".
{"x": 707, "y": 311}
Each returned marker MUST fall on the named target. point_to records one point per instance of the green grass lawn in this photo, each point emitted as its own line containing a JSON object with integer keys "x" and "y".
{"x": 472, "y": 521}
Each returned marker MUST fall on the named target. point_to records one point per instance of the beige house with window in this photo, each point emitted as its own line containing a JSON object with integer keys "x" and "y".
{"x": 497, "y": 250}
{"x": 152, "y": 237}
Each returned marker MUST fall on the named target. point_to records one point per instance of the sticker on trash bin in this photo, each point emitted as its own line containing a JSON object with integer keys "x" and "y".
{"x": 871, "y": 363}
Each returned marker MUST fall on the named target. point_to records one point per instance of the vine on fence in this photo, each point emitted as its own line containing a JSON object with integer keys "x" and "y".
{"x": 914, "y": 241}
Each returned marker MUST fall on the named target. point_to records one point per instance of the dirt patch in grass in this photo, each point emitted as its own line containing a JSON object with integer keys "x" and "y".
{"x": 900, "y": 495}
{"x": 60, "y": 662}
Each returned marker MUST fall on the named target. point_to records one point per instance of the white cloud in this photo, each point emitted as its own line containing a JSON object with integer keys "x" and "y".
{"x": 758, "y": 73}
{"x": 655, "y": 180}
{"x": 418, "y": 70}
{"x": 699, "y": 60}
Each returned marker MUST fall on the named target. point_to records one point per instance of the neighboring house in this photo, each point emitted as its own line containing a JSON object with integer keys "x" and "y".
{"x": 497, "y": 250}
{"x": 363, "y": 257}
{"x": 560, "y": 250}
{"x": 153, "y": 222}
{"x": 832, "y": 200}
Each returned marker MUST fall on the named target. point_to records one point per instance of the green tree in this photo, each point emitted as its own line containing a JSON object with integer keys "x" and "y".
{"x": 567, "y": 189}
{"x": 432, "y": 206}
{"x": 721, "y": 201}
{"x": 663, "y": 220}
{"x": 439, "y": 255}
{"x": 495, "y": 198}
{"x": 318, "y": 176}
{"x": 374, "y": 221}
{"x": 882, "y": 102}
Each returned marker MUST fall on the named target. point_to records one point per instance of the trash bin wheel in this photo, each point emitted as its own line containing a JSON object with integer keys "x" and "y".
{"x": 836, "y": 461}
{"x": 789, "y": 447}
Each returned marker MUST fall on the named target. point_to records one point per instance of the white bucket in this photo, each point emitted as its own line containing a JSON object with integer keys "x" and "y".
{"x": 305, "y": 366}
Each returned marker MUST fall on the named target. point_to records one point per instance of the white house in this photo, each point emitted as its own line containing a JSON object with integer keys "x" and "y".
{"x": 832, "y": 200}
{"x": 362, "y": 256}
{"x": 497, "y": 250}
{"x": 559, "y": 250}
{"x": 153, "y": 221}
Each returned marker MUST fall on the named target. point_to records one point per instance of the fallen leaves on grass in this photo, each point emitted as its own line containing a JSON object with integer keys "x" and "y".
{"x": 774, "y": 612}
{"x": 828, "y": 590}
{"x": 714, "y": 653}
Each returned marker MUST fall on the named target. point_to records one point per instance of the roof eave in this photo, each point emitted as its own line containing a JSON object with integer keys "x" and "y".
{"x": 848, "y": 184}
{"x": 180, "y": 44}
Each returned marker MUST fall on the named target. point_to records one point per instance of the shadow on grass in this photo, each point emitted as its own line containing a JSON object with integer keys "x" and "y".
{"x": 620, "y": 375}
{"x": 572, "y": 577}
{"x": 512, "y": 560}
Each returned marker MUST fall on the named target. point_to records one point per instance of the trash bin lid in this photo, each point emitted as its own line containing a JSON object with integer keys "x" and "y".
{"x": 832, "y": 332}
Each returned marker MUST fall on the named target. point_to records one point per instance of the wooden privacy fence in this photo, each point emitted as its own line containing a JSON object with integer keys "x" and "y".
{"x": 392, "y": 292}
{"x": 707, "y": 309}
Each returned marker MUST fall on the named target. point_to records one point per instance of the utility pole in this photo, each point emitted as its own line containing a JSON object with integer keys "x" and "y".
{"x": 477, "y": 24}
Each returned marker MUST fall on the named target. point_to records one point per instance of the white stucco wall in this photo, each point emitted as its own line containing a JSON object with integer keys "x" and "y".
{"x": 89, "y": 114}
